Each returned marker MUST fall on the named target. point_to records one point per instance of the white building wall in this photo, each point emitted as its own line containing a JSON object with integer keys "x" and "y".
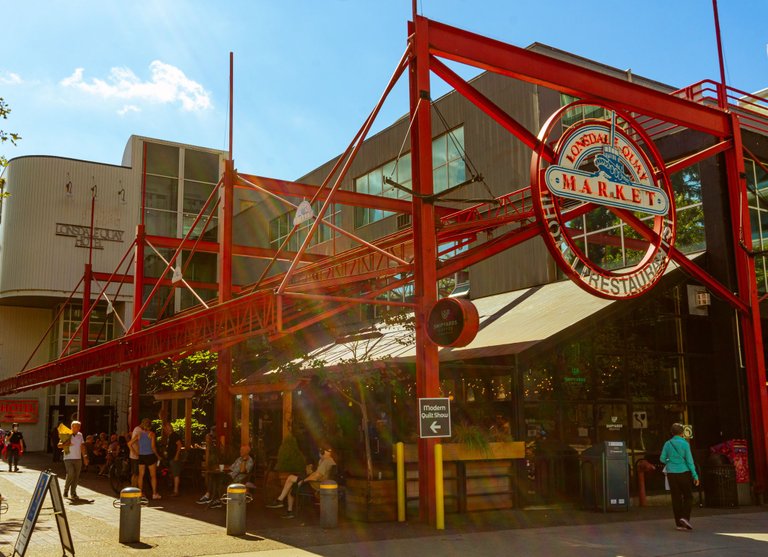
{"x": 37, "y": 258}
{"x": 20, "y": 331}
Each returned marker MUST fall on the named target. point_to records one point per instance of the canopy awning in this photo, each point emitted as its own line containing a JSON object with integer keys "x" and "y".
{"x": 510, "y": 323}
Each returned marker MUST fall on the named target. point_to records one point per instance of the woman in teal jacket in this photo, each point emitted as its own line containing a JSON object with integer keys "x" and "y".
{"x": 681, "y": 475}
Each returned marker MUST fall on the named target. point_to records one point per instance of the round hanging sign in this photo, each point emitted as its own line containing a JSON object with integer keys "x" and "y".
{"x": 605, "y": 201}
{"x": 453, "y": 322}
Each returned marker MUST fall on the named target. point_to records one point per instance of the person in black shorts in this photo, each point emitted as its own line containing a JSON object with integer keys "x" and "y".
{"x": 144, "y": 439}
{"x": 173, "y": 455}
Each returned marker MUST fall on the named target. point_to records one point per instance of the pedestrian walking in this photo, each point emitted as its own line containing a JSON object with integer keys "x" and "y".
{"x": 16, "y": 446}
{"x": 73, "y": 459}
{"x": 681, "y": 475}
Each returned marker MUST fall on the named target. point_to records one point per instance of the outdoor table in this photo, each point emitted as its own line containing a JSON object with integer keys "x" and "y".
{"x": 215, "y": 478}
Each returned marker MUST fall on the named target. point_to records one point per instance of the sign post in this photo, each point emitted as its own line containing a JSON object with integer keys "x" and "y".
{"x": 47, "y": 483}
{"x": 434, "y": 417}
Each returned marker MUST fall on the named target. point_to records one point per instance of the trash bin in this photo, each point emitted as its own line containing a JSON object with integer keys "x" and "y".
{"x": 605, "y": 477}
{"x": 719, "y": 482}
{"x": 737, "y": 451}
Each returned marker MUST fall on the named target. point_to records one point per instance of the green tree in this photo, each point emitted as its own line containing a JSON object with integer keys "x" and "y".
{"x": 5, "y": 110}
{"x": 196, "y": 372}
{"x": 354, "y": 377}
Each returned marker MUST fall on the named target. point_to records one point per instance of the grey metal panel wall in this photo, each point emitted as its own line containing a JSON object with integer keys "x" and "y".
{"x": 34, "y": 260}
{"x": 499, "y": 157}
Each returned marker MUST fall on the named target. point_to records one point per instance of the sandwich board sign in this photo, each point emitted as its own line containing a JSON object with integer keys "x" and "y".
{"x": 434, "y": 417}
{"x": 46, "y": 483}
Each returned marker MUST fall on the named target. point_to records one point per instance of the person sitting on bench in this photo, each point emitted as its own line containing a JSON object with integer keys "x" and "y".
{"x": 324, "y": 466}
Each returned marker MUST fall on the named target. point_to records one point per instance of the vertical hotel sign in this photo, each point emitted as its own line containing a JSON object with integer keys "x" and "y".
{"x": 603, "y": 195}
{"x": 19, "y": 411}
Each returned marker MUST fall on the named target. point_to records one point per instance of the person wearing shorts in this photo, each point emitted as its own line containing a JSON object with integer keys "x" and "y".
{"x": 173, "y": 455}
{"x": 144, "y": 439}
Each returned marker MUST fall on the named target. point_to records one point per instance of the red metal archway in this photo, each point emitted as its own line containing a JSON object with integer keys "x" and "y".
{"x": 315, "y": 287}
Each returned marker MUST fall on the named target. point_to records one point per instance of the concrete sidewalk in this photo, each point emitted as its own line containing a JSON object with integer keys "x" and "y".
{"x": 179, "y": 527}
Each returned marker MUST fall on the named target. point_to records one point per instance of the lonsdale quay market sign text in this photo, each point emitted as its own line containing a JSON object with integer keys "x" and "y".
{"x": 83, "y": 233}
{"x": 605, "y": 192}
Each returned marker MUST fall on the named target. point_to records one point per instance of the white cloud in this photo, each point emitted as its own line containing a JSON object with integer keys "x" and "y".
{"x": 128, "y": 108}
{"x": 10, "y": 78}
{"x": 167, "y": 84}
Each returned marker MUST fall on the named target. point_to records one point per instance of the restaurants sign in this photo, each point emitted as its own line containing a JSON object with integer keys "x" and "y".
{"x": 605, "y": 201}
{"x": 18, "y": 410}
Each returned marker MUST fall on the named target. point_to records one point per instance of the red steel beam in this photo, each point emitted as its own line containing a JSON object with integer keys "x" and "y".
{"x": 751, "y": 323}
{"x": 206, "y": 246}
{"x": 342, "y": 197}
{"x": 475, "y": 50}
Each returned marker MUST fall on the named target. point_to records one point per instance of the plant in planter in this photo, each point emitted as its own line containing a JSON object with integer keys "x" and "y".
{"x": 290, "y": 459}
{"x": 473, "y": 437}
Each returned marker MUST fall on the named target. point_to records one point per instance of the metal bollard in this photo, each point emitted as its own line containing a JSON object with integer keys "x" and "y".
{"x": 130, "y": 515}
{"x": 236, "y": 499}
{"x": 329, "y": 504}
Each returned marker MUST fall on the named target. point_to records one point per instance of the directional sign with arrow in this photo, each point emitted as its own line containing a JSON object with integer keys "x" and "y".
{"x": 434, "y": 417}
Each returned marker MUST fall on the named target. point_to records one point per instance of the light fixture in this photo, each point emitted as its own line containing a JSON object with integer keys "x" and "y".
{"x": 121, "y": 196}
{"x": 94, "y": 190}
{"x": 68, "y": 187}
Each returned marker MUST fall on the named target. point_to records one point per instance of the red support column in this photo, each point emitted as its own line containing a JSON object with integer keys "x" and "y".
{"x": 84, "y": 331}
{"x": 224, "y": 371}
{"x": 750, "y": 323}
{"x": 138, "y": 302}
{"x": 425, "y": 248}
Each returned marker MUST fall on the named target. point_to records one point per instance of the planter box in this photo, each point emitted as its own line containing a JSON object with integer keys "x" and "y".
{"x": 371, "y": 501}
{"x": 456, "y": 451}
{"x": 474, "y": 480}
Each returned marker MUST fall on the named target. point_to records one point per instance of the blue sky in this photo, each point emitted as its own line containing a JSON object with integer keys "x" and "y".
{"x": 82, "y": 76}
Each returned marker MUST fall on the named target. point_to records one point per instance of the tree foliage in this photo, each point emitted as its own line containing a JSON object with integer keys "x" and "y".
{"x": 195, "y": 372}
{"x": 5, "y": 110}
{"x": 363, "y": 371}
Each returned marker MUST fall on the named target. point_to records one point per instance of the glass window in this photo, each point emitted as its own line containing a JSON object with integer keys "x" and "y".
{"x": 195, "y": 196}
{"x": 448, "y": 170}
{"x": 281, "y": 226}
{"x": 162, "y": 193}
{"x": 162, "y": 159}
{"x": 157, "y": 303}
{"x": 439, "y": 151}
{"x": 578, "y": 113}
{"x": 154, "y": 265}
{"x": 160, "y": 223}
{"x": 200, "y": 166}
{"x": 202, "y": 267}
{"x": 757, "y": 197}
{"x": 501, "y": 387}
{"x": 101, "y": 328}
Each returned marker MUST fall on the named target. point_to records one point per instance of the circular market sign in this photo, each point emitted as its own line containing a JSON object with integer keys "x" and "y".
{"x": 453, "y": 322}
{"x": 605, "y": 201}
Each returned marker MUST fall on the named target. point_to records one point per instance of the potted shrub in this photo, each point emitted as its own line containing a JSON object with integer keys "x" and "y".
{"x": 290, "y": 459}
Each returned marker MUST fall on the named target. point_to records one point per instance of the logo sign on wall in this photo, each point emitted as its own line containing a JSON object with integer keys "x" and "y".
{"x": 453, "y": 322}
{"x": 605, "y": 201}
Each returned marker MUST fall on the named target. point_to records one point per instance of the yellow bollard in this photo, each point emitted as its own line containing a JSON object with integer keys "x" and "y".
{"x": 400, "y": 457}
{"x": 439, "y": 503}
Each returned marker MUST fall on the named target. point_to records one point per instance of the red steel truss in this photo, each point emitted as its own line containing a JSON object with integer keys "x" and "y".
{"x": 317, "y": 286}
